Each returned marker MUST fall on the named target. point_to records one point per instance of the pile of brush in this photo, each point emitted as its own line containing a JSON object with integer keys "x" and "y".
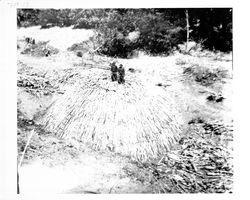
{"x": 35, "y": 85}
{"x": 203, "y": 75}
{"x": 199, "y": 165}
{"x": 40, "y": 82}
{"x": 136, "y": 119}
{"x": 40, "y": 49}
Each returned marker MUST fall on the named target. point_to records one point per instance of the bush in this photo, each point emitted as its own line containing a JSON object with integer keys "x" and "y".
{"x": 151, "y": 42}
{"x": 117, "y": 47}
{"x": 153, "y": 34}
{"x": 83, "y": 23}
{"x": 82, "y": 46}
{"x": 27, "y": 17}
{"x": 205, "y": 76}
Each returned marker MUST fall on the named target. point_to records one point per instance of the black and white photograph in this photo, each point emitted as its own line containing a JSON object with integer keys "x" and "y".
{"x": 123, "y": 100}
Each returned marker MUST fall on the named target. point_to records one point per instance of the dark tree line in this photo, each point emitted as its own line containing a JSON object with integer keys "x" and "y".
{"x": 213, "y": 26}
{"x": 159, "y": 30}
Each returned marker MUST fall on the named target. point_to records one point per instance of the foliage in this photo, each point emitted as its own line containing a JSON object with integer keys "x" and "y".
{"x": 213, "y": 26}
{"x": 88, "y": 18}
{"x": 27, "y": 17}
{"x": 156, "y": 34}
{"x": 61, "y": 18}
{"x": 160, "y": 30}
{"x": 83, "y": 47}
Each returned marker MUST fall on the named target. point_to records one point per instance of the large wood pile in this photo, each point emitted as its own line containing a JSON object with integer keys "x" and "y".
{"x": 136, "y": 119}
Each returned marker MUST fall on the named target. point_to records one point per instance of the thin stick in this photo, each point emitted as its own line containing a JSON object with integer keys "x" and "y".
{"x": 21, "y": 160}
{"x": 27, "y": 144}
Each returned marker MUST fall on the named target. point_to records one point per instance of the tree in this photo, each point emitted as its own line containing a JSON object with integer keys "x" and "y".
{"x": 187, "y": 20}
{"x": 160, "y": 29}
{"x": 213, "y": 26}
{"x": 27, "y": 17}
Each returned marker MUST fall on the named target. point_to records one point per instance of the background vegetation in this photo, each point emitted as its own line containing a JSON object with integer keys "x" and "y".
{"x": 120, "y": 32}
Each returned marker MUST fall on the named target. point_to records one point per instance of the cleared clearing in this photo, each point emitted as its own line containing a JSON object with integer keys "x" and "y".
{"x": 99, "y": 122}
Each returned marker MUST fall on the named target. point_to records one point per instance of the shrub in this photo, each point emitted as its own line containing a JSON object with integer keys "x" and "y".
{"x": 153, "y": 34}
{"x": 27, "y": 17}
{"x": 117, "y": 47}
{"x": 205, "y": 76}
{"x": 84, "y": 23}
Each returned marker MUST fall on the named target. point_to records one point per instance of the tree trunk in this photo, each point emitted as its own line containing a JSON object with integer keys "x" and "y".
{"x": 187, "y": 21}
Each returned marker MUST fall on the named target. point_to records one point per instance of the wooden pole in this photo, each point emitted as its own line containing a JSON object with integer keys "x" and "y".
{"x": 21, "y": 160}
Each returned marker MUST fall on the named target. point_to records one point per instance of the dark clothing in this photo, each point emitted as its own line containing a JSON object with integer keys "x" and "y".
{"x": 113, "y": 68}
{"x": 114, "y": 76}
{"x": 28, "y": 39}
{"x": 121, "y": 75}
{"x": 113, "y": 72}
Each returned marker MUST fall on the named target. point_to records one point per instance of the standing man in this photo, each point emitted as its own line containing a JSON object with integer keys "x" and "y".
{"x": 113, "y": 71}
{"x": 121, "y": 74}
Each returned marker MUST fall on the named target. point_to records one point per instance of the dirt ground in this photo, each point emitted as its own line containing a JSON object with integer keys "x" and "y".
{"x": 53, "y": 165}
